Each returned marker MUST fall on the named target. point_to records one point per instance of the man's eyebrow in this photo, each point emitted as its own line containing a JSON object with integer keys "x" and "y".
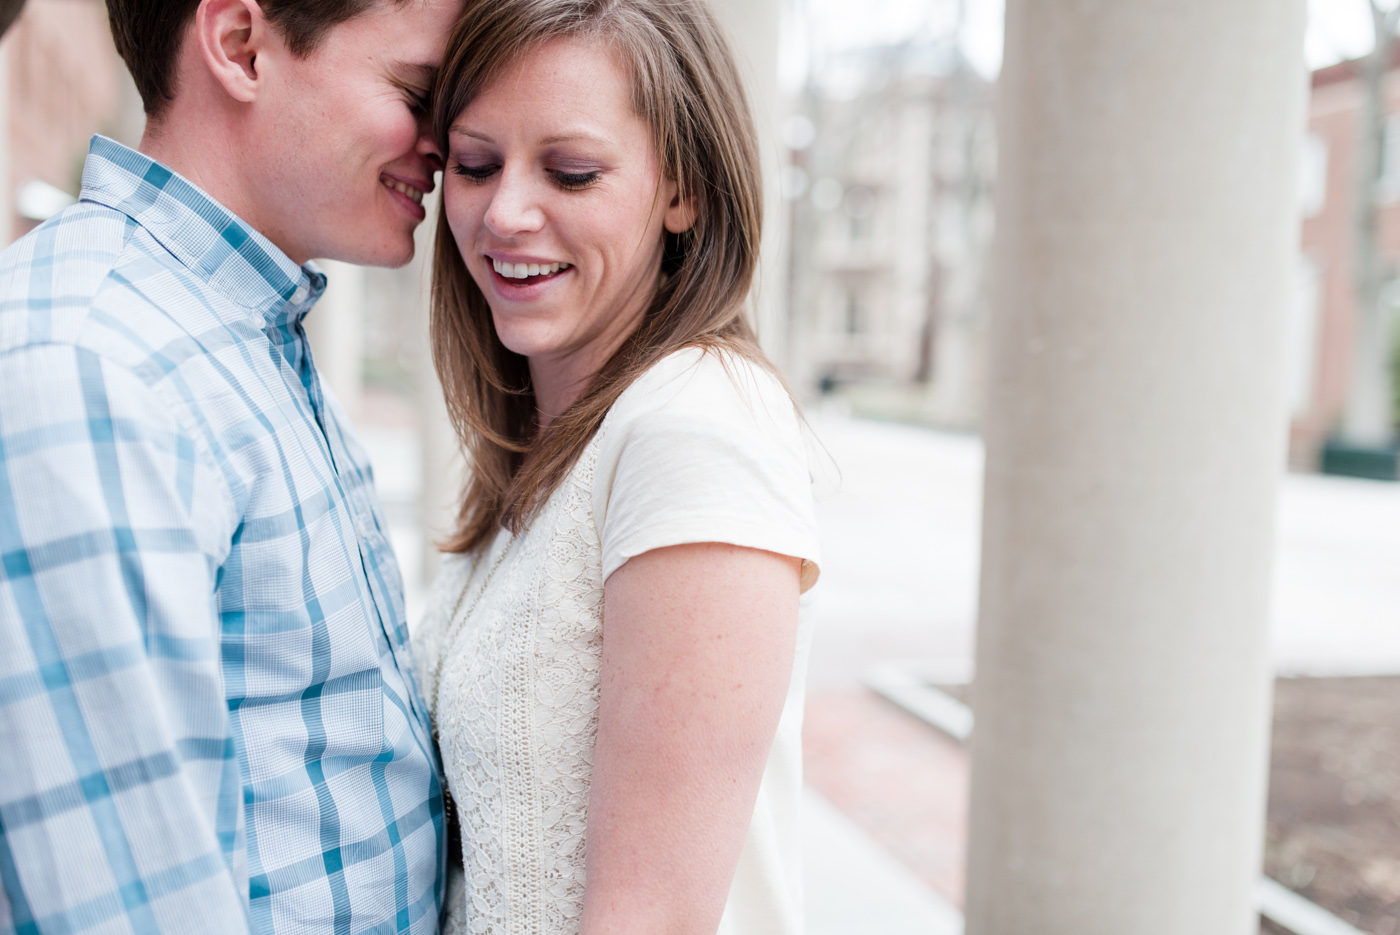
{"x": 415, "y": 73}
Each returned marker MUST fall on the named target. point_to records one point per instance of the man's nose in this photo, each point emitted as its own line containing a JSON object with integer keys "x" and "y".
{"x": 427, "y": 144}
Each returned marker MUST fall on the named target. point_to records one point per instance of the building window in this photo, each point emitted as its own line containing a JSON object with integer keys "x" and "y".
{"x": 854, "y": 316}
{"x": 860, "y": 213}
{"x": 860, "y": 228}
{"x": 1313, "y": 183}
{"x": 1390, "y": 156}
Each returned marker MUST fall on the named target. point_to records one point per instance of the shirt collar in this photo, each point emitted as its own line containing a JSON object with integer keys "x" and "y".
{"x": 202, "y": 234}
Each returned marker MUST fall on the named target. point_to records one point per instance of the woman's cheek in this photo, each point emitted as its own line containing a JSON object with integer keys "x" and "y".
{"x": 456, "y": 205}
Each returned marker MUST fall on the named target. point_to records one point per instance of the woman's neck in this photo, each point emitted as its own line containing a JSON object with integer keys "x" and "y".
{"x": 557, "y": 388}
{"x": 560, "y": 379}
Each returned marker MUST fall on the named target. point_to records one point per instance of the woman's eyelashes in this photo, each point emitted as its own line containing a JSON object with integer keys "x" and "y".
{"x": 569, "y": 181}
{"x": 573, "y": 181}
{"x": 476, "y": 173}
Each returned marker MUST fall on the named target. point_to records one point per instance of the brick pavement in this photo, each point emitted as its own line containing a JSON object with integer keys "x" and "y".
{"x": 899, "y": 780}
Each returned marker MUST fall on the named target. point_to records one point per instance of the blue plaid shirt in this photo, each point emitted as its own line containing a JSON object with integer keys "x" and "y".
{"x": 208, "y": 720}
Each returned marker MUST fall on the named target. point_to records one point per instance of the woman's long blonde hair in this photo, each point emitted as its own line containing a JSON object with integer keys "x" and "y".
{"x": 686, "y": 85}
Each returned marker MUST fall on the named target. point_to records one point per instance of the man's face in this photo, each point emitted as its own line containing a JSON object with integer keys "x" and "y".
{"x": 348, "y": 152}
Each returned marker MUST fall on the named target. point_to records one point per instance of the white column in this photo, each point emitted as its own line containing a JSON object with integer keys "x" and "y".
{"x": 336, "y": 329}
{"x": 752, "y": 28}
{"x": 443, "y": 467}
{"x": 130, "y": 123}
{"x": 7, "y": 180}
{"x": 1145, "y": 247}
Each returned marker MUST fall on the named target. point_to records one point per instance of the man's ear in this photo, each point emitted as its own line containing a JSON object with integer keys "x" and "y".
{"x": 680, "y": 213}
{"x": 230, "y": 34}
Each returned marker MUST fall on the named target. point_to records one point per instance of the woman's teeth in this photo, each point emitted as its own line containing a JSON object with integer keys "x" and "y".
{"x": 526, "y": 270}
{"x": 404, "y": 189}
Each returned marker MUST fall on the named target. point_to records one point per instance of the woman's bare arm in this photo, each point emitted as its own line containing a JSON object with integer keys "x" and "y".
{"x": 698, "y": 644}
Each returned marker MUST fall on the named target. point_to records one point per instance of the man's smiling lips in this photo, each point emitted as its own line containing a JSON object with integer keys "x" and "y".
{"x": 408, "y": 191}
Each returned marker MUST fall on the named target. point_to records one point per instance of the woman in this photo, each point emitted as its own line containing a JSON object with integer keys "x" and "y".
{"x": 614, "y": 653}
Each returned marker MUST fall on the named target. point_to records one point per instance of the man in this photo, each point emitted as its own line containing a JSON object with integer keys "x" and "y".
{"x": 208, "y": 720}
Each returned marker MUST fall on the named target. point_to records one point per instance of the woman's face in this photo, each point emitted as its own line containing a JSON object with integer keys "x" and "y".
{"x": 554, "y": 195}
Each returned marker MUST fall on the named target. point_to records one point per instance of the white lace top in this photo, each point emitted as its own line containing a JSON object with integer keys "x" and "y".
{"x": 697, "y": 450}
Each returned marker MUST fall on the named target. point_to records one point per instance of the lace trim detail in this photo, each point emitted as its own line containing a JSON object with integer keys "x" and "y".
{"x": 569, "y": 655}
{"x": 469, "y": 705}
{"x": 519, "y": 716}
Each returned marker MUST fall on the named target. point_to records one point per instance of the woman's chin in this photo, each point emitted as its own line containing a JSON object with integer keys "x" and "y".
{"x": 527, "y": 342}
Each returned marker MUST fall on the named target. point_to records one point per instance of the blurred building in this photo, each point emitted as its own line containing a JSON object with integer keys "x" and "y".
{"x": 890, "y": 183}
{"x": 1323, "y": 320}
{"x": 65, "y": 82}
{"x": 892, "y": 158}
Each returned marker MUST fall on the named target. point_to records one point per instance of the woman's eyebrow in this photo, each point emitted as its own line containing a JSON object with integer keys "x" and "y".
{"x": 570, "y": 137}
{"x": 574, "y": 137}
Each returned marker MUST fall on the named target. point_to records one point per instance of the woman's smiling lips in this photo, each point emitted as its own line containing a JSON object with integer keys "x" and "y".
{"x": 524, "y": 276}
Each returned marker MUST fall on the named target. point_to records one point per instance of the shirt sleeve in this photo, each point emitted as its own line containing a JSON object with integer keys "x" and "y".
{"x": 120, "y": 796}
{"x": 705, "y": 448}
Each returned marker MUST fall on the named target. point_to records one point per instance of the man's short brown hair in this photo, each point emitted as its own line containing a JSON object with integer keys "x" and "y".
{"x": 148, "y": 34}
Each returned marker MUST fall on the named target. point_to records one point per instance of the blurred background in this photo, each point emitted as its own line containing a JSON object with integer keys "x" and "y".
{"x": 877, "y": 298}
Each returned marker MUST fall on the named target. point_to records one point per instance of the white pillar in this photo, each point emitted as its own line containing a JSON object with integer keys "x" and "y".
{"x": 752, "y": 28}
{"x": 443, "y": 467}
{"x": 130, "y": 123}
{"x": 1145, "y": 246}
{"x": 7, "y": 179}
{"x": 336, "y": 329}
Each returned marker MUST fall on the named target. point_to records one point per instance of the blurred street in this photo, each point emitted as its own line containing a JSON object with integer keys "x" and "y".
{"x": 901, "y": 543}
{"x": 901, "y": 546}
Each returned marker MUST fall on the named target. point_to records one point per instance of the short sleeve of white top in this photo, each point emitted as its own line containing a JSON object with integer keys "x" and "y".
{"x": 704, "y": 447}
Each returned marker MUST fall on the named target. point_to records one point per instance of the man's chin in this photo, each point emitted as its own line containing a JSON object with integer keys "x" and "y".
{"x": 396, "y": 261}
{"x": 388, "y": 255}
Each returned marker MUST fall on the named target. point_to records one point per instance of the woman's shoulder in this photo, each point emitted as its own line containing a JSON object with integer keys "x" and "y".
{"x": 710, "y": 383}
{"x": 706, "y": 446}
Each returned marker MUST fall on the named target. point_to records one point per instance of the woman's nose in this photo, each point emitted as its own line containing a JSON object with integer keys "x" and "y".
{"x": 514, "y": 207}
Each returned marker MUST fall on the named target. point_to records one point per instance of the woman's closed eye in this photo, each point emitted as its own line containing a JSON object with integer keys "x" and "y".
{"x": 569, "y": 181}
{"x": 573, "y": 181}
{"x": 477, "y": 173}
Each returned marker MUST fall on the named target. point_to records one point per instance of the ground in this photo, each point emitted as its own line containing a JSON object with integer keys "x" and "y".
{"x": 1334, "y": 803}
{"x": 901, "y": 516}
{"x": 1334, "y": 797}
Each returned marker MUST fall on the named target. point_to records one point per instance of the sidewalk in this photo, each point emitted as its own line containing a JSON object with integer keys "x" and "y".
{"x": 854, "y": 887}
{"x": 901, "y": 531}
